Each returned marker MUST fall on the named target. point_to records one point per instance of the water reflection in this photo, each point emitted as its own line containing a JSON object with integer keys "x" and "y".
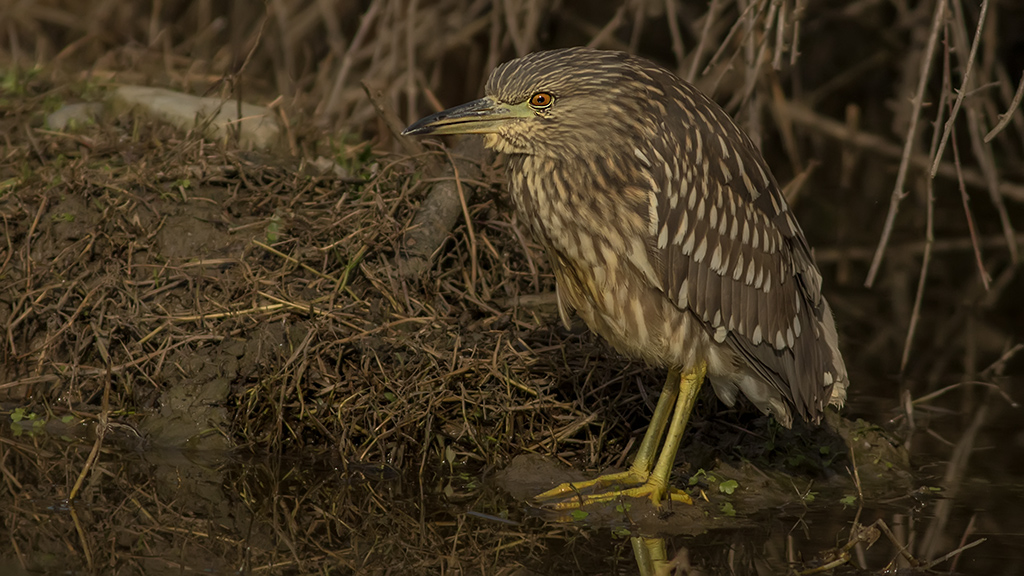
{"x": 152, "y": 511}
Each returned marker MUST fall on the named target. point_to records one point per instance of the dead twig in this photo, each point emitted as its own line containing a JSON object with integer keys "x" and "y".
{"x": 441, "y": 208}
{"x": 908, "y": 143}
{"x": 375, "y": 93}
{"x": 964, "y": 86}
{"x": 1006, "y": 117}
{"x": 879, "y": 145}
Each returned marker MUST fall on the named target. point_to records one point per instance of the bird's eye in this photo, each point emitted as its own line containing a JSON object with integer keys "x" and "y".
{"x": 541, "y": 100}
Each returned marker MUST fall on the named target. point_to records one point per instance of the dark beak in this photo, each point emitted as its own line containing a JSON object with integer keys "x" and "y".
{"x": 483, "y": 116}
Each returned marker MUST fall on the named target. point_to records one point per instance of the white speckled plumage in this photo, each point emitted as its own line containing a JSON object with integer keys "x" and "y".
{"x": 674, "y": 243}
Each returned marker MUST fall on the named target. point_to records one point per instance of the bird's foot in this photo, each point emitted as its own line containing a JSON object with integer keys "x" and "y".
{"x": 629, "y": 484}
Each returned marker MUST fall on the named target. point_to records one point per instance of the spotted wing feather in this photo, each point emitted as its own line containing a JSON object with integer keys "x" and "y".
{"x": 730, "y": 250}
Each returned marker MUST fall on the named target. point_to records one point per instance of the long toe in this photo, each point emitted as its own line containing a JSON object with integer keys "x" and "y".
{"x": 573, "y": 491}
{"x": 610, "y": 488}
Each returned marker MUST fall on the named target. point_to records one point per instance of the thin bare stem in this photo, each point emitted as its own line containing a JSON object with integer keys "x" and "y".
{"x": 705, "y": 38}
{"x": 474, "y": 265}
{"x": 964, "y": 84}
{"x": 340, "y": 81}
{"x": 908, "y": 144}
{"x": 804, "y": 116}
{"x": 915, "y": 315}
{"x": 966, "y": 201}
{"x": 1006, "y": 117}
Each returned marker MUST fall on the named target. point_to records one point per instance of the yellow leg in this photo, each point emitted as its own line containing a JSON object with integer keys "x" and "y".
{"x": 656, "y": 428}
{"x": 650, "y": 555}
{"x": 640, "y": 470}
{"x": 676, "y": 401}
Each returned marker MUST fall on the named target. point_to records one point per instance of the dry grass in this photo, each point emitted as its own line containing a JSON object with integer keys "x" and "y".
{"x": 137, "y": 259}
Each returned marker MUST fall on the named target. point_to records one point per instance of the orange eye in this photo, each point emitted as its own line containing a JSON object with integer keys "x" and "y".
{"x": 541, "y": 100}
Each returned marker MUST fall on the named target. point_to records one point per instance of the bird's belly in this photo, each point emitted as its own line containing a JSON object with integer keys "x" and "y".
{"x": 635, "y": 318}
{"x": 626, "y": 307}
{"x": 641, "y": 322}
{"x": 600, "y": 283}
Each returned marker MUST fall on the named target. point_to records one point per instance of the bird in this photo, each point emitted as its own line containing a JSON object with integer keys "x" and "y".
{"x": 667, "y": 234}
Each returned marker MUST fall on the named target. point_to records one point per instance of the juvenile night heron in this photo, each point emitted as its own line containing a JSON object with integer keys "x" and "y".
{"x": 667, "y": 234}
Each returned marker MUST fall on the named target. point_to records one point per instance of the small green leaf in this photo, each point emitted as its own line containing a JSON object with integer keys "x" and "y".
{"x": 848, "y": 500}
{"x": 729, "y": 486}
{"x": 727, "y": 509}
{"x": 67, "y": 419}
{"x": 390, "y": 396}
{"x": 621, "y": 533}
{"x": 579, "y": 515}
{"x": 809, "y": 497}
{"x": 274, "y": 230}
{"x": 623, "y": 508}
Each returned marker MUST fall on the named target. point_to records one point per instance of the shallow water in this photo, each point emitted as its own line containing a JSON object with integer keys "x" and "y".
{"x": 142, "y": 510}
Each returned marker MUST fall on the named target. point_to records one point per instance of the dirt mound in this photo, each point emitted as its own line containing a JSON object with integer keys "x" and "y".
{"x": 229, "y": 299}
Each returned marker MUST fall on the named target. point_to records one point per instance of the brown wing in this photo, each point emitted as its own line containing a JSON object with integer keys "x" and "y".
{"x": 729, "y": 249}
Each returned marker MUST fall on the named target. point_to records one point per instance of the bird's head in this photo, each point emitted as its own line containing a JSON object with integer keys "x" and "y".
{"x": 559, "y": 103}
